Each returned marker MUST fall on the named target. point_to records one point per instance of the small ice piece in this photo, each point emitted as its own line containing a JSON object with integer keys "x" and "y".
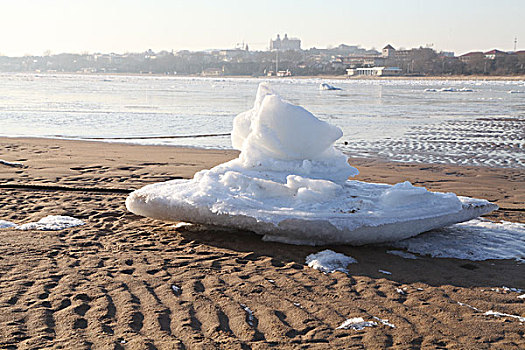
{"x": 177, "y": 290}
{"x": 510, "y": 289}
{"x": 326, "y": 86}
{"x": 400, "y": 291}
{"x": 328, "y": 261}
{"x": 356, "y": 323}
{"x": 52, "y": 223}
{"x": 516, "y": 92}
{"x": 12, "y": 164}
{"x": 402, "y": 254}
{"x": 451, "y": 89}
{"x": 7, "y": 224}
{"x": 521, "y": 296}
{"x": 469, "y": 306}
{"x": 501, "y": 314}
{"x": 385, "y": 322}
{"x": 475, "y": 240}
{"x": 249, "y": 315}
{"x": 182, "y": 224}
{"x": 385, "y": 272}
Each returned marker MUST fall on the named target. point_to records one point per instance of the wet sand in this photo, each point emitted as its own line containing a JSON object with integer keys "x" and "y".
{"x": 109, "y": 284}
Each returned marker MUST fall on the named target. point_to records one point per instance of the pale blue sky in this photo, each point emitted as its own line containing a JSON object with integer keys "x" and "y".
{"x": 34, "y": 26}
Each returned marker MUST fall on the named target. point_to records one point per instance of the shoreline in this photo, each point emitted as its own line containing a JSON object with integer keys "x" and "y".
{"x": 123, "y": 281}
{"x": 471, "y": 181}
{"x": 319, "y": 77}
{"x": 120, "y": 141}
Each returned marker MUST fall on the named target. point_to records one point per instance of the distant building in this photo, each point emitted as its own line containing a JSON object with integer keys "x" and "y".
{"x": 471, "y": 56}
{"x": 285, "y": 44}
{"x": 447, "y": 54}
{"x": 493, "y": 54}
{"x": 212, "y": 72}
{"x": 375, "y": 71}
{"x": 284, "y": 73}
{"x": 388, "y": 51}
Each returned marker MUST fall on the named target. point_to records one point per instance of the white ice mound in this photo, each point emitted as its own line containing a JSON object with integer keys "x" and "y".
{"x": 291, "y": 185}
{"x": 277, "y": 136}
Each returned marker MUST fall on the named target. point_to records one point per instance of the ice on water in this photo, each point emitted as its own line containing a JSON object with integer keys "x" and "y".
{"x": 291, "y": 185}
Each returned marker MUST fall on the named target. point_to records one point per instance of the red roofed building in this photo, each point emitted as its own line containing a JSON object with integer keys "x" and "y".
{"x": 493, "y": 54}
{"x": 472, "y": 56}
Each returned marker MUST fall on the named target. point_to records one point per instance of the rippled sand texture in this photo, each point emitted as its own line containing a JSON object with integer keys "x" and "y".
{"x": 124, "y": 282}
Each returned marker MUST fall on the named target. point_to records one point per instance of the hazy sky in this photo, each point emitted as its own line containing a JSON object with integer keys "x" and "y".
{"x": 34, "y": 26}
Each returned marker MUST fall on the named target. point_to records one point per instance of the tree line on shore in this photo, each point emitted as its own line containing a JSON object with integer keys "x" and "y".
{"x": 415, "y": 62}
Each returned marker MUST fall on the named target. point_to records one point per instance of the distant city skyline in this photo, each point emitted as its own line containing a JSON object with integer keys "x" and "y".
{"x": 74, "y": 26}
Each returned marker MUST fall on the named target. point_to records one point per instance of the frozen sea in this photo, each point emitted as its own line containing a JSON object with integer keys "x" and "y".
{"x": 430, "y": 121}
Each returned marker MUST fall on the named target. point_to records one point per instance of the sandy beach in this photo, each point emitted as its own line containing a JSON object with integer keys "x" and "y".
{"x": 126, "y": 282}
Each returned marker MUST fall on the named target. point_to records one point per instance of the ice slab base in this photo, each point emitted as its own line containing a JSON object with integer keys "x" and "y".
{"x": 362, "y": 216}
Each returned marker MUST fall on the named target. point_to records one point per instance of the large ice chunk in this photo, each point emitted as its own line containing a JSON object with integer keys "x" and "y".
{"x": 291, "y": 185}
{"x": 276, "y": 135}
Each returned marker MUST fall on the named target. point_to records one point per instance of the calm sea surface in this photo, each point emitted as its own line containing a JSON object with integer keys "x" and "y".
{"x": 452, "y": 122}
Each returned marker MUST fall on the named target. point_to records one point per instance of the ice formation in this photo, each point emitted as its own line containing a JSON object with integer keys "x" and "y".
{"x": 326, "y": 86}
{"x": 329, "y": 261}
{"x": 291, "y": 185}
{"x": 52, "y": 223}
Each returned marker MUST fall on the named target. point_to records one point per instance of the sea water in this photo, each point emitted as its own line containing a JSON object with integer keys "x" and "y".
{"x": 431, "y": 121}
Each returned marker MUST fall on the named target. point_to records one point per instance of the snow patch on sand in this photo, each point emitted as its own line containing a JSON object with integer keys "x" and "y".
{"x": 501, "y": 314}
{"x": 7, "y": 224}
{"x": 52, "y": 223}
{"x": 176, "y": 289}
{"x": 357, "y": 323}
{"x": 249, "y": 315}
{"x": 182, "y": 225}
{"x": 385, "y": 322}
{"x": 493, "y": 313}
{"x": 476, "y": 240}
{"x": 12, "y": 164}
{"x": 328, "y": 261}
